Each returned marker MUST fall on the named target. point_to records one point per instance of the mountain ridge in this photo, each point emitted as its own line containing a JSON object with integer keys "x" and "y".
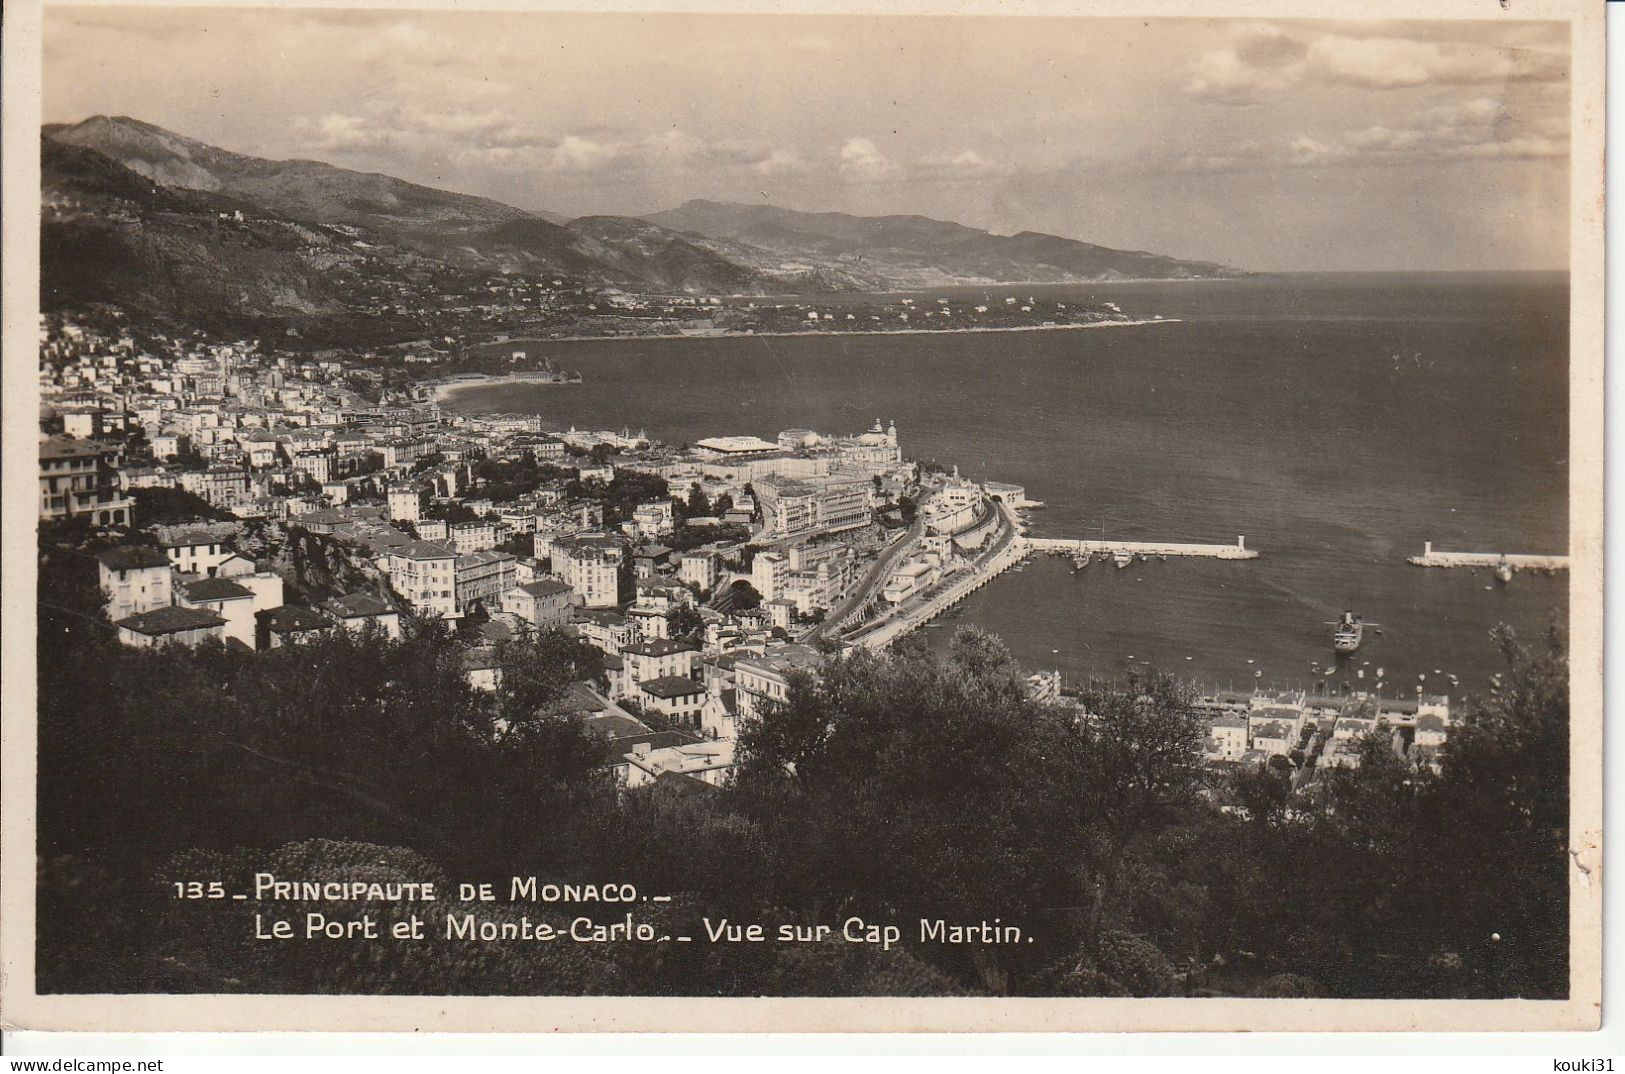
{"x": 150, "y": 201}
{"x": 914, "y": 246}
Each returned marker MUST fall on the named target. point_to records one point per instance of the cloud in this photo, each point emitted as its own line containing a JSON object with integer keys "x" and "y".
{"x": 1264, "y": 60}
{"x": 1224, "y": 73}
{"x": 1393, "y": 62}
{"x": 412, "y": 129}
{"x": 495, "y": 139}
{"x": 340, "y": 132}
{"x": 966, "y": 165}
{"x": 1477, "y": 128}
{"x": 1267, "y": 46}
{"x": 780, "y": 163}
{"x": 574, "y": 154}
{"x": 862, "y": 159}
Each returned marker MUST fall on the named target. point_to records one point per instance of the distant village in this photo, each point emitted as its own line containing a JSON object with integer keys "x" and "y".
{"x": 258, "y": 498}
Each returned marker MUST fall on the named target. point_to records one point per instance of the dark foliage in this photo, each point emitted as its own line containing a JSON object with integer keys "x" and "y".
{"x": 898, "y": 789}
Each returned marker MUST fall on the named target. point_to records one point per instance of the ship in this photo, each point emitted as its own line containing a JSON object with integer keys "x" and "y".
{"x": 1349, "y": 632}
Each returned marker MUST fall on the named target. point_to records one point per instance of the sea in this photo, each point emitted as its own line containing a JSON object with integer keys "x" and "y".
{"x": 1337, "y": 421}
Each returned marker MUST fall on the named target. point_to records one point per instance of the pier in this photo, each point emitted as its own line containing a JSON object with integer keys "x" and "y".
{"x": 1493, "y": 560}
{"x": 1069, "y": 546}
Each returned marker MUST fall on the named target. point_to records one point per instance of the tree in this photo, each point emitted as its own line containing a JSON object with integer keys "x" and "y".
{"x": 914, "y": 787}
{"x": 1499, "y": 827}
{"x": 450, "y": 511}
{"x": 685, "y": 622}
{"x": 698, "y": 505}
{"x": 1130, "y": 764}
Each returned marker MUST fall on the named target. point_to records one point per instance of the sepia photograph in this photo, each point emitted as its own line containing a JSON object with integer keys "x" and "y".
{"x": 669, "y": 514}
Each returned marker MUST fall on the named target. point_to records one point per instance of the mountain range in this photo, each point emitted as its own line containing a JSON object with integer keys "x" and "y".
{"x": 132, "y": 214}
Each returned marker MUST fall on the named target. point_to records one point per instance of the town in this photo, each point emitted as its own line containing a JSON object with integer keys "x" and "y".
{"x": 258, "y": 498}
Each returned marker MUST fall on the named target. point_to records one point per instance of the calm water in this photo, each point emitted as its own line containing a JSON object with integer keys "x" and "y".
{"x": 1336, "y": 421}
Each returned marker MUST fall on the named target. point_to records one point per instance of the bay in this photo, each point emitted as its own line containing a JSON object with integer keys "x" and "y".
{"x": 1338, "y": 421}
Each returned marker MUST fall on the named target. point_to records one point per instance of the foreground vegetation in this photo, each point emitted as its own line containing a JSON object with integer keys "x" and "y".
{"x": 893, "y": 788}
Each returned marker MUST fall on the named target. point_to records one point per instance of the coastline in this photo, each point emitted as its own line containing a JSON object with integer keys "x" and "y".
{"x": 852, "y": 332}
{"x": 446, "y": 392}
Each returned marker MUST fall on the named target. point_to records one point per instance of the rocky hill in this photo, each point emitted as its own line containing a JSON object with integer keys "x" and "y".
{"x": 911, "y": 251}
{"x": 165, "y": 225}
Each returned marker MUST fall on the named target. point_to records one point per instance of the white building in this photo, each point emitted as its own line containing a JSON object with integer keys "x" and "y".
{"x": 230, "y": 600}
{"x": 768, "y": 572}
{"x": 196, "y": 552}
{"x": 405, "y": 503}
{"x": 763, "y": 681}
{"x": 424, "y": 573}
{"x": 592, "y": 567}
{"x": 135, "y": 579}
{"x": 543, "y": 603}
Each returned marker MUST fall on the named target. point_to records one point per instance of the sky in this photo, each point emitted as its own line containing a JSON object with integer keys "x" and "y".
{"x": 1272, "y": 146}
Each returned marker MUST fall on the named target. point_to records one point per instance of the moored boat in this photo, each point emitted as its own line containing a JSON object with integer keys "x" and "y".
{"x": 1348, "y": 632}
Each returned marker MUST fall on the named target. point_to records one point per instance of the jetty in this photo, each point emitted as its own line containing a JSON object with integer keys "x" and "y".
{"x": 1512, "y": 560}
{"x": 1069, "y": 546}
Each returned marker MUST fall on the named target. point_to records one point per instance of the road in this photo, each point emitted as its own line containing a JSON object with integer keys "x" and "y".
{"x": 1009, "y": 549}
{"x": 872, "y": 582}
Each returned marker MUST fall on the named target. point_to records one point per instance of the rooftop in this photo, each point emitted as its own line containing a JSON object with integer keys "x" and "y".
{"x": 544, "y": 587}
{"x": 425, "y": 550}
{"x": 784, "y": 659}
{"x": 293, "y": 618}
{"x": 736, "y": 445}
{"x": 355, "y": 605}
{"x": 132, "y": 557}
{"x": 216, "y": 589}
{"x": 672, "y": 686}
{"x": 62, "y": 447}
{"x": 658, "y": 647}
{"x": 170, "y": 620}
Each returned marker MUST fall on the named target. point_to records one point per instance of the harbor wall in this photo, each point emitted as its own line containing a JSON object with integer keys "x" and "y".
{"x": 1239, "y": 550}
{"x": 1517, "y": 561}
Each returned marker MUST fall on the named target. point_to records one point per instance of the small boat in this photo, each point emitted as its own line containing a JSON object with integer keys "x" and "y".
{"x": 1503, "y": 572}
{"x": 1123, "y": 559}
{"x": 1080, "y": 562}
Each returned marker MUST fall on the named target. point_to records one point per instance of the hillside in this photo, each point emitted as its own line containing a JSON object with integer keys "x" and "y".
{"x": 183, "y": 231}
{"x": 111, "y": 235}
{"x": 903, "y": 251}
